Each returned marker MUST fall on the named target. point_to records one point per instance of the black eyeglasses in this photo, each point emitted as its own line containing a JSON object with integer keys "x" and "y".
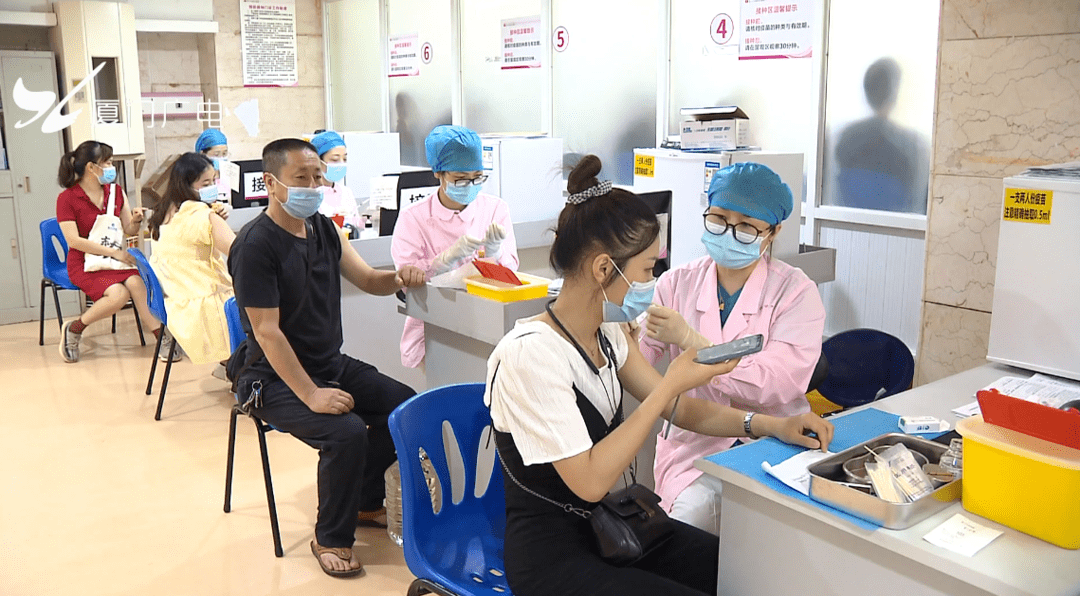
{"x": 743, "y": 232}
{"x": 468, "y": 182}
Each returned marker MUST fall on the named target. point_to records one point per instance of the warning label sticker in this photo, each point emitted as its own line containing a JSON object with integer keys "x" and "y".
{"x": 1027, "y": 205}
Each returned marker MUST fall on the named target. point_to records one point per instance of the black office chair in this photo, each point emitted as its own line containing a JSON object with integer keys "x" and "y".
{"x": 821, "y": 372}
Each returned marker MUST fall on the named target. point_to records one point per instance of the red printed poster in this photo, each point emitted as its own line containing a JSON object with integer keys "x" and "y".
{"x": 404, "y": 55}
{"x": 521, "y": 43}
{"x": 776, "y": 29}
{"x": 268, "y": 43}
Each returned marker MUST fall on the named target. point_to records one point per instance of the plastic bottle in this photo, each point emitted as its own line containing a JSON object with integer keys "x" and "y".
{"x": 393, "y": 503}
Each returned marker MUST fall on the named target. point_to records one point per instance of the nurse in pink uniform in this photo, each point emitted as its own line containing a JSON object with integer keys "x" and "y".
{"x": 452, "y": 226}
{"x": 736, "y": 291}
{"x": 338, "y": 199}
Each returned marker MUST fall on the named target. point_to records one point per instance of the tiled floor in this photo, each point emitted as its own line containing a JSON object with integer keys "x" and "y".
{"x": 97, "y": 498}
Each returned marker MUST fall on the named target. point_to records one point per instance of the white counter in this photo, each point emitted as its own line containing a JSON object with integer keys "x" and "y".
{"x": 773, "y": 544}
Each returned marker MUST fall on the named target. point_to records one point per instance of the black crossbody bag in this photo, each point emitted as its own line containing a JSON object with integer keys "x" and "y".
{"x": 629, "y": 523}
{"x": 249, "y": 352}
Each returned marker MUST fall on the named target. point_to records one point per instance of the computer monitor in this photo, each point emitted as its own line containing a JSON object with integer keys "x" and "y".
{"x": 660, "y": 203}
{"x": 412, "y": 187}
{"x": 252, "y": 189}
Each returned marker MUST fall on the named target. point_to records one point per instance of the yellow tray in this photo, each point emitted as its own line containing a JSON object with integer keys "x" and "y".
{"x": 533, "y": 287}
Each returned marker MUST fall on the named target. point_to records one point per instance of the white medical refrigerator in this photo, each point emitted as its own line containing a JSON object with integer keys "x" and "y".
{"x": 1036, "y": 318}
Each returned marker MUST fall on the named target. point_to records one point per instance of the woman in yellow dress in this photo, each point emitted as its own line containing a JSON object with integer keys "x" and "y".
{"x": 188, "y": 256}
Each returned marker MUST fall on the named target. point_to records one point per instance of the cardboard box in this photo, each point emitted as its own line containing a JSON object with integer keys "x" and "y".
{"x": 721, "y": 128}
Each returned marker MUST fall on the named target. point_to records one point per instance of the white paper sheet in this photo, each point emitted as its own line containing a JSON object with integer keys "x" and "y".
{"x": 793, "y": 471}
{"x": 961, "y": 535}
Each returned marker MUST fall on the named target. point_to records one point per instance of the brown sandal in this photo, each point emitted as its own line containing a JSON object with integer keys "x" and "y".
{"x": 343, "y": 553}
{"x": 370, "y": 519}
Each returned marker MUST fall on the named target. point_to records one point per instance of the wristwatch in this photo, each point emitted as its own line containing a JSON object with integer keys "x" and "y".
{"x": 746, "y": 425}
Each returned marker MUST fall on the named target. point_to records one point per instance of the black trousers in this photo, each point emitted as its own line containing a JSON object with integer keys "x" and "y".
{"x": 355, "y": 448}
{"x": 539, "y": 564}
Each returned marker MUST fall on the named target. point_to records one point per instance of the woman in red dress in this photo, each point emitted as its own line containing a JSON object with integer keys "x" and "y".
{"x": 87, "y": 174}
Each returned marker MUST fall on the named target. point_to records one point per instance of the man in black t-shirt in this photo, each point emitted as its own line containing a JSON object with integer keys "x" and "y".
{"x": 287, "y": 266}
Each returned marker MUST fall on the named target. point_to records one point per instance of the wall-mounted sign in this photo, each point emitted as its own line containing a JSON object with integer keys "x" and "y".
{"x": 404, "y": 55}
{"x": 776, "y": 29}
{"x": 268, "y": 43}
{"x": 521, "y": 43}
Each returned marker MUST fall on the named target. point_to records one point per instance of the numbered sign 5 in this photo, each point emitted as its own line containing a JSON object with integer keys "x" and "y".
{"x": 722, "y": 29}
{"x": 560, "y": 39}
{"x": 425, "y": 53}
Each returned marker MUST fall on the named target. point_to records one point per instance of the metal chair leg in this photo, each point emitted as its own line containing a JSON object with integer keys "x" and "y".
{"x": 138, "y": 325}
{"x": 165, "y": 377}
{"x": 229, "y": 460}
{"x": 153, "y": 362}
{"x": 56, "y": 303}
{"x": 114, "y": 323}
{"x": 278, "y": 552}
{"x": 41, "y": 318}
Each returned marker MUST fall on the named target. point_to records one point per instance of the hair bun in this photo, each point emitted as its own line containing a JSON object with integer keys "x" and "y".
{"x": 583, "y": 176}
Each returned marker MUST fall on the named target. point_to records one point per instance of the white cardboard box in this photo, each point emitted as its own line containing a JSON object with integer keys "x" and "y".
{"x": 722, "y": 128}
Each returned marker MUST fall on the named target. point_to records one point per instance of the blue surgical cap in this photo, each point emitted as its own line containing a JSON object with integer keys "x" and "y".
{"x": 326, "y": 140}
{"x": 453, "y": 149}
{"x": 753, "y": 190}
{"x": 210, "y": 137}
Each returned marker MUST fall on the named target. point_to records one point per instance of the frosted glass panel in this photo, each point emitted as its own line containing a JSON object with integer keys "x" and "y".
{"x": 605, "y": 81}
{"x": 496, "y": 100}
{"x": 420, "y": 103}
{"x": 355, "y": 63}
{"x": 880, "y": 104}
{"x": 780, "y": 96}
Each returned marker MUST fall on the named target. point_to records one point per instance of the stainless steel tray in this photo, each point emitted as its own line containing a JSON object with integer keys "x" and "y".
{"x": 827, "y": 474}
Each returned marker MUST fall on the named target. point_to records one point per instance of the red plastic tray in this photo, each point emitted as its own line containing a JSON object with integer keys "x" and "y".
{"x": 497, "y": 272}
{"x": 1030, "y": 418}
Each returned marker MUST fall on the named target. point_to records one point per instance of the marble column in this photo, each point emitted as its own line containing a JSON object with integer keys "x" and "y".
{"x": 1008, "y": 76}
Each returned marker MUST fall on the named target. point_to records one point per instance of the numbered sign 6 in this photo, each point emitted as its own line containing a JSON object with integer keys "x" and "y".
{"x": 425, "y": 53}
{"x": 560, "y": 39}
{"x": 722, "y": 29}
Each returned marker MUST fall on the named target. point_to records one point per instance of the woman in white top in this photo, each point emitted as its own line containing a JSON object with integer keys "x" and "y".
{"x": 555, "y": 386}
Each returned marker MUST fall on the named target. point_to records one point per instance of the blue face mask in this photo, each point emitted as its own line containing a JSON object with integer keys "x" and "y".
{"x": 335, "y": 171}
{"x": 302, "y": 202}
{"x": 728, "y": 252}
{"x": 219, "y": 161}
{"x": 108, "y": 175}
{"x": 637, "y": 300}
{"x": 208, "y": 194}
{"x": 462, "y": 195}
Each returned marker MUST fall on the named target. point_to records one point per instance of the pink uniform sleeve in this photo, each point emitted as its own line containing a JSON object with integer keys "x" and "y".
{"x": 652, "y": 349}
{"x": 407, "y": 246}
{"x": 775, "y": 379}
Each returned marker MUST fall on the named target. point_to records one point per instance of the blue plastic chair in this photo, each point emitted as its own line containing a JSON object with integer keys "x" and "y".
{"x": 865, "y": 365}
{"x": 155, "y": 300}
{"x": 236, "y": 337}
{"x": 457, "y": 550}
{"x": 54, "y": 274}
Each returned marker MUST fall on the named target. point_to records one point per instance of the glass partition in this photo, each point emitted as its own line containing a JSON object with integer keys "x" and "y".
{"x": 879, "y": 107}
{"x": 422, "y": 102}
{"x": 604, "y": 81}
{"x": 354, "y": 59}
{"x": 497, "y": 99}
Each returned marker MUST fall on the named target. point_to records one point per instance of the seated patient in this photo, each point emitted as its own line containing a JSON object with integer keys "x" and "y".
{"x": 287, "y": 265}
{"x": 447, "y": 229}
{"x": 192, "y": 240}
{"x": 555, "y": 388}
{"x": 736, "y": 291}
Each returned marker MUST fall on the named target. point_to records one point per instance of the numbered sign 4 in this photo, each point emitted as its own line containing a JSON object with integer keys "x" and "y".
{"x": 426, "y": 53}
{"x": 560, "y": 39}
{"x": 722, "y": 29}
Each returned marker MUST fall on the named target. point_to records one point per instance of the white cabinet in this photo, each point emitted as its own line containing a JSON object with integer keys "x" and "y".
{"x": 92, "y": 34}
{"x": 526, "y": 172}
{"x": 28, "y": 189}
